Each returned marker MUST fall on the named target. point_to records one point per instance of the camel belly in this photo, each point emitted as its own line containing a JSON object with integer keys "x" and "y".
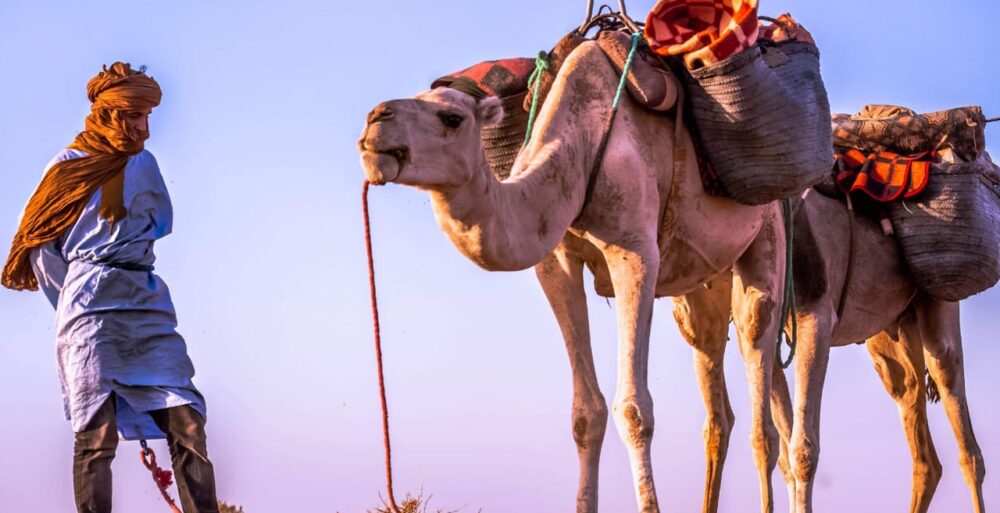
{"x": 704, "y": 244}
{"x": 708, "y": 237}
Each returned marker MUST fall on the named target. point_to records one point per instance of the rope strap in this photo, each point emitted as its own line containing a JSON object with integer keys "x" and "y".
{"x": 636, "y": 37}
{"x": 788, "y": 301}
{"x": 535, "y": 80}
{"x": 162, "y": 477}
{"x": 378, "y": 353}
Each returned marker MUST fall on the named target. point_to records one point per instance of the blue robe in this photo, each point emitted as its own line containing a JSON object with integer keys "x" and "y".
{"x": 116, "y": 328}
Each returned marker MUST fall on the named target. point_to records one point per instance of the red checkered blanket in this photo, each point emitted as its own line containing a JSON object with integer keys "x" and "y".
{"x": 883, "y": 175}
{"x": 503, "y": 78}
{"x": 703, "y": 31}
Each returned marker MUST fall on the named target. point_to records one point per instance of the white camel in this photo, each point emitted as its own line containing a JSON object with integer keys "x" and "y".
{"x": 647, "y": 230}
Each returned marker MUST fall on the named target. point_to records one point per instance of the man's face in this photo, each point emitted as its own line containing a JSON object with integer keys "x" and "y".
{"x": 137, "y": 120}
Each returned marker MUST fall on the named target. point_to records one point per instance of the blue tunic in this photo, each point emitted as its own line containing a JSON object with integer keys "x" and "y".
{"x": 116, "y": 328}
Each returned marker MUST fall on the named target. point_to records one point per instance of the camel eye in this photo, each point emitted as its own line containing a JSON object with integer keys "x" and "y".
{"x": 451, "y": 120}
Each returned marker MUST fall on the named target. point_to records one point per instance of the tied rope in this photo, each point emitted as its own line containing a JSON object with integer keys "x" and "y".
{"x": 162, "y": 477}
{"x": 628, "y": 65}
{"x": 378, "y": 352}
{"x": 788, "y": 301}
{"x": 541, "y": 64}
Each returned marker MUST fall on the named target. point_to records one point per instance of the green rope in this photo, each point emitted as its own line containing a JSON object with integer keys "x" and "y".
{"x": 788, "y": 301}
{"x": 628, "y": 65}
{"x": 541, "y": 64}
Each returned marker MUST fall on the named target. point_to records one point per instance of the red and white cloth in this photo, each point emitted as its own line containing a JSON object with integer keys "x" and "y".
{"x": 703, "y": 31}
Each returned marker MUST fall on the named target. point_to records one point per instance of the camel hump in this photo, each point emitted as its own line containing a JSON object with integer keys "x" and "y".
{"x": 649, "y": 82}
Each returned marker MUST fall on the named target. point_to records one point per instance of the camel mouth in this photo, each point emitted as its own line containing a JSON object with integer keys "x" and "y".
{"x": 401, "y": 154}
{"x": 384, "y": 165}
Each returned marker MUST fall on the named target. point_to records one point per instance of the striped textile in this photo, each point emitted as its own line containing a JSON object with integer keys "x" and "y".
{"x": 503, "y": 78}
{"x": 883, "y": 175}
{"x": 703, "y": 31}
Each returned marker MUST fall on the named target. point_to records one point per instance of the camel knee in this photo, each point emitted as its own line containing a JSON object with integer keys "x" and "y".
{"x": 804, "y": 460}
{"x": 901, "y": 383}
{"x": 759, "y": 310}
{"x": 634, "y": 420}
{"x": 765, "y": 443}
{"x": 703, "y": 331}
{"x": 716, "y": 432}
{"x": 589, "y": 424}
{"x": 927, "y": 469}
{"x": 973, "y": 466}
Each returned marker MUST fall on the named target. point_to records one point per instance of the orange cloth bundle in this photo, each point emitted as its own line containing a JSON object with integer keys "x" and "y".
{"x": 703, "y": 31}
{"x": 883, "y": 175}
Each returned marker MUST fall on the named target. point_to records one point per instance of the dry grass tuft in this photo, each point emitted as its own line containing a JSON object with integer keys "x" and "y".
{"x": 225, "y": 507}
{"x": 412, "y": 504}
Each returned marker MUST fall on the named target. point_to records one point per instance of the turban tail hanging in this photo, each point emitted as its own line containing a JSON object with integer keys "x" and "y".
{"x": 68, "y": 186}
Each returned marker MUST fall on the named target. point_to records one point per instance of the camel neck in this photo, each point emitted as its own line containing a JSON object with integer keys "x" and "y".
{"x": 512, "y": 225}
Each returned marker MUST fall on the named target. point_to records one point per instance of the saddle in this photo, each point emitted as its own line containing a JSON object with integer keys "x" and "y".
{"x": 887, "y": 152}
{"x": 649, "y": 83}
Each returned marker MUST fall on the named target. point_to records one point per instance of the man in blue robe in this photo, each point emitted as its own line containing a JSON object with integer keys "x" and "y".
{"x": 86, "y": 240}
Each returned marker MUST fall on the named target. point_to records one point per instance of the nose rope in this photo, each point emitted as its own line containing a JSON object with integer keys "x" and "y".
{"x": 378, "y": 351}
{"x": 163, "y": 478}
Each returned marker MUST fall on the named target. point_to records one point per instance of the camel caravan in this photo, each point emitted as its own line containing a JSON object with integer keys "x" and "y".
{"x": 695, "y": 156}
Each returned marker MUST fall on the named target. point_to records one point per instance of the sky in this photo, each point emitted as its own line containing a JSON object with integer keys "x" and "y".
{"x": 263, "y": 102}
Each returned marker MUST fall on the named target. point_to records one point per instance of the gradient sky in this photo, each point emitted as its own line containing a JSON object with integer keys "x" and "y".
{"x": 263, "y": 102}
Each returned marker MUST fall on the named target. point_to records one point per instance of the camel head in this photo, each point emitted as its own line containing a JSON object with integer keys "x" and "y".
{"x": 430, "y": 141}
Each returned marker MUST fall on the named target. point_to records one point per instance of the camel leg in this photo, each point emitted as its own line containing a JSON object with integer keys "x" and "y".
{"x": 781, "y": 413}
{"x": 633, "y": 275}
{"x": 703, "y": 318}
{"x": 900, "y": 364}
{"x": 561, "y": 277}
{"x": 811, "y": 359}
{"x": 942, "y": 341}
{"x": 756, "y": 311}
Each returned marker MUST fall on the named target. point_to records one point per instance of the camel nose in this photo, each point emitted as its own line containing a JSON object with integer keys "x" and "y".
{"x": 380, "y": 113}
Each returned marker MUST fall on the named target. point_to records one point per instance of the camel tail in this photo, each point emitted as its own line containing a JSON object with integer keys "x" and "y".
{"x": 933, "y": 395}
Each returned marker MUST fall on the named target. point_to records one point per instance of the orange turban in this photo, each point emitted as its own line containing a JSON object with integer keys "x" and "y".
{"x": 68, "y": 186}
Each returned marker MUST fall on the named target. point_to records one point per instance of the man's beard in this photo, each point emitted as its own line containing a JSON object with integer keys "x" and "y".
{"x": 129, "y": 141}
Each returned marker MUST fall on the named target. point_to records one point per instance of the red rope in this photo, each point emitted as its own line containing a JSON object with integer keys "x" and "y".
{"x": 378, "y": 352}
{"x": 162, "y": 478}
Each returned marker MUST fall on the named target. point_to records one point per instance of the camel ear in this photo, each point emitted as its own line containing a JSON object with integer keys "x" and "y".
{"x": 490, "y": 110}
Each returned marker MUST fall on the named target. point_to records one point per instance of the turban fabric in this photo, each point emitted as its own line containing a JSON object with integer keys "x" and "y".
{"x": 68, "y": 185}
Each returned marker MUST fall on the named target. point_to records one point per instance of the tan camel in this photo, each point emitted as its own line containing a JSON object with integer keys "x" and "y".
{"x": 647, "y": 230}
{"x": 905, "y": 330}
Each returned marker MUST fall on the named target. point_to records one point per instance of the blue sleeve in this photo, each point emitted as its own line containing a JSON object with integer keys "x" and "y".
{"x": 50, "y": 268}
{"x": 149, "y": 197}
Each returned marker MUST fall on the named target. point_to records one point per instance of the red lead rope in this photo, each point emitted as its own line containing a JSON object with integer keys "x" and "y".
{"x": 161, "y": 477}
{"x": 378, "y": 352}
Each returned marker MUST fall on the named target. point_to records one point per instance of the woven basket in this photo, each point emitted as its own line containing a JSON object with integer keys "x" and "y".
{"x": 503, "y": 141}
{"x": 764, "y": 119}
{"x": 950, "y": 233}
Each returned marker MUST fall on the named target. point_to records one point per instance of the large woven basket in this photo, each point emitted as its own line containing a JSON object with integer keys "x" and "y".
{"x": 503, "y": 141}
{"x": 950, "y": 233}
{"x": 764, "y": 119}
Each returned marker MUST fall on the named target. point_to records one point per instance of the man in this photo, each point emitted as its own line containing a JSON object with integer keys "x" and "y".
{"x": 86, "y": 239}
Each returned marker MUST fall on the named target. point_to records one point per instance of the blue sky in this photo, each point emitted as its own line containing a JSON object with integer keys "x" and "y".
{"x": 263, "y": 102}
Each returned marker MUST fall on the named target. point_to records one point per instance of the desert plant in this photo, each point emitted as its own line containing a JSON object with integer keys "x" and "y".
{"x": 411, "y": 504}
{"x": 225, "y": 507}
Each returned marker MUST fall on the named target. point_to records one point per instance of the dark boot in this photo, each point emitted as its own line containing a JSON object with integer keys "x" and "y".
{"x": 195, "y": 476}
{"x": 93, "y": 451}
